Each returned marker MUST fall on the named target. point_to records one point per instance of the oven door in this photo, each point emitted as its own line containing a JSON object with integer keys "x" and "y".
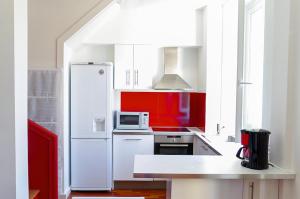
{"x": 173, "y": 149}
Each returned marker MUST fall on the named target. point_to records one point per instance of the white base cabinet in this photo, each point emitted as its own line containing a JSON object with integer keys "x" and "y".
{"x": 261, "y": 189}
{"x": 222, "y": 189}
{"x": 205, "y": 188}
{"x": 125, "y": 147}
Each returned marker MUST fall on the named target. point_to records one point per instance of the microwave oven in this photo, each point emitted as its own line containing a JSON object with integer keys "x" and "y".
{"x": 132, "y": 120}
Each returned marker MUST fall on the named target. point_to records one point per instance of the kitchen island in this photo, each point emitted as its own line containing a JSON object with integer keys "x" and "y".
{"x": 211, "y": 177}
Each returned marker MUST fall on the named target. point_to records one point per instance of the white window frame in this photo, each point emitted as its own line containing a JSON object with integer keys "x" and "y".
{"x": 246, "y": 8}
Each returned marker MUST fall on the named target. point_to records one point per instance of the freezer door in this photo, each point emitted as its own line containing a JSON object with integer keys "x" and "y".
{"x": 90, "y": 164}
{"x": 90, "y": 104}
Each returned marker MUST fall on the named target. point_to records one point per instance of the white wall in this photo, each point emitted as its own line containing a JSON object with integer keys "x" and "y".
{"x": 281, "y": 99}
{"x": 13, "y": 94}
{"x": 47, "y": 21}
{"x": 168, "y": 23}
{"x": 276, "y": 79}
{"x": 229, "y": 67}
{"x": 293, "y": 114}
{"x": 213, "y": 70}
{"x": 93, "y": 53}
{"x": 64, "y": 117}
{"x": 203, "y": 50}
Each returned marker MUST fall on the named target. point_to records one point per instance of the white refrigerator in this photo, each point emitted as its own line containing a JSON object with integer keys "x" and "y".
{"x": 91, "y": 126}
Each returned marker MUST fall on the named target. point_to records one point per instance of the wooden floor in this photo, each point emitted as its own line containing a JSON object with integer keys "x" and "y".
{"x": 148, "y": 194}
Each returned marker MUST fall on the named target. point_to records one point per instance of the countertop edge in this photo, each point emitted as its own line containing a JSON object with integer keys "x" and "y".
{"x": 290, "y": 176}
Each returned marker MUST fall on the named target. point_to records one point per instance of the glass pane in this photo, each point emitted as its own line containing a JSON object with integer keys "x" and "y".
{"x": 129, "y": 119}
{"x": 253, "y": 70}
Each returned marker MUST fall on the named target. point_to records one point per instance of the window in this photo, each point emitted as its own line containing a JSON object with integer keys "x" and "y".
{"x": 251, "y": 84}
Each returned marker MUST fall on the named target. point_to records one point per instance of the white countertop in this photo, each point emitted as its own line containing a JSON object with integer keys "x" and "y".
{"x": 226, "y": 166}
{"x": 126, "y": 131}
{"x": 213, "y": 167}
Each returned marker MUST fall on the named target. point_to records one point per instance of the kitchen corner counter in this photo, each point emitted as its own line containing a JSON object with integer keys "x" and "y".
{"x": 205, "y": 167}
{"x": 211, "y": 176}
{"x": 224, "y": 166}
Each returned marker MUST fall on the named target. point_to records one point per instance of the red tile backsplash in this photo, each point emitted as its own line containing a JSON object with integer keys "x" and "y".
{"x": 168, "y": 108}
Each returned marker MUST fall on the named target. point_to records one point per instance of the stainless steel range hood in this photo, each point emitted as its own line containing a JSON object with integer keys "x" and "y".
{"x": 171, "y": 80}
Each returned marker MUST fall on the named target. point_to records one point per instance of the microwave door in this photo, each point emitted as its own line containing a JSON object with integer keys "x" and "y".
{"x": 128, "y": 121}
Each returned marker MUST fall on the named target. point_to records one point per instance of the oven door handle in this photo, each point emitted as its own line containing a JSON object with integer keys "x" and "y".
{"x": 173, "y": 145}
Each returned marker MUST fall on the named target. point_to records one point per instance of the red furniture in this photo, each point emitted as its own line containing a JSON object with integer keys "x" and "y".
{"x": 42, "y": 161}
{"x": 168, "y": 108}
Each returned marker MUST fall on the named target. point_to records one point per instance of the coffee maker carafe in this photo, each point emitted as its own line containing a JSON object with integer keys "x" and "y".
{"x": 255, "y": 149}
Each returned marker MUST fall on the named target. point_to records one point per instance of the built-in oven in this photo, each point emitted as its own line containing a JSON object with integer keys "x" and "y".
{"x": 173, "y": 144}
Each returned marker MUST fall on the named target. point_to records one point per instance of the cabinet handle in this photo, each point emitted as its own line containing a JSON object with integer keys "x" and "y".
{"x": 134, "y": 80}
{"x": 137, "y": 77}
{"x": 132, "y": 139}
{"x": 251, "y": 187}
{"x": 126, "y": 77}
{"x": 129, "y": 77}
{"x": 173, "y": 145}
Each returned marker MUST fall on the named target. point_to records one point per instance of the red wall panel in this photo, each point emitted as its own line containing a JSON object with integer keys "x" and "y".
{"x": 168, "y": 108}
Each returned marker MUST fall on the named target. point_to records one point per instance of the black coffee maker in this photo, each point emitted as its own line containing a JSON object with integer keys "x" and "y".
{"x": 255, "y": 149}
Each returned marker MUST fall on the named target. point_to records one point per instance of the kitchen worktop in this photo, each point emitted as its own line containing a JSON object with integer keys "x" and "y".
{"x": 226, "y": 166}
{"x": 212, "y": 167}
{"x": 150, "y": 131}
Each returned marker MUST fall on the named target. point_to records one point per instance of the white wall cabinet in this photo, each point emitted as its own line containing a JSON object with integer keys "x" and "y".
{"x": 135, "y": 66}
{"x": 123, "y": 75}
{"x": 125, "y": 147}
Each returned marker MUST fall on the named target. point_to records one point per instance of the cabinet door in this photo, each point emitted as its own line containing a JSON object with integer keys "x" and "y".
{"x": 260, "y": 189}
{"x": 123, "y": 76}
{"x": 145, "y": 66}
{"x": 206, "y": 189}
{"x": 125, "y": 147}
{"x": 201, "y": 148}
